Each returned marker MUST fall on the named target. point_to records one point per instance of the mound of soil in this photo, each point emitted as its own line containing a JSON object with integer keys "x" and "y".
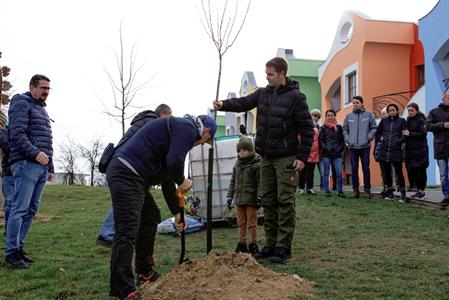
{"x": 230, "y": 276}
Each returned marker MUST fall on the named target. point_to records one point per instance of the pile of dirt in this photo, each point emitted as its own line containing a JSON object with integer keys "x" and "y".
{"x": 230, "y": 276}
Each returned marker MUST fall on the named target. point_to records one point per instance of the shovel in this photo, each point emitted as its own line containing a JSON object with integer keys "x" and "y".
{"x": 180, "y": 194}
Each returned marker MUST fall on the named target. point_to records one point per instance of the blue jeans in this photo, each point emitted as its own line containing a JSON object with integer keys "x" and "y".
{"x": 337, "y": 163}
{"x": 363, "y": 155}
{"x": 29, "y": 182}
{"x": 443, "y": 166}
{"x": 107, "y": 230}
{"x": 8, "y": 195}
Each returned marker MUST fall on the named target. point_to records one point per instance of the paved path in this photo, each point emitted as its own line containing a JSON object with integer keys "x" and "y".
{"x": 433, "y": 196}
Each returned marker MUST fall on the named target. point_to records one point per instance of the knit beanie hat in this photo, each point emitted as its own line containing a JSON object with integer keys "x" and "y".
{"x": 245, "y": 143}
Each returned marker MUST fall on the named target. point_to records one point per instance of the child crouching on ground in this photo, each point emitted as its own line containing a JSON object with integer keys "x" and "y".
{"x": 244, "y": 190}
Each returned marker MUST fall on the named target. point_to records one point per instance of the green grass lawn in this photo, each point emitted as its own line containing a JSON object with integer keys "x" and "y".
{"x": 349, "y": 248}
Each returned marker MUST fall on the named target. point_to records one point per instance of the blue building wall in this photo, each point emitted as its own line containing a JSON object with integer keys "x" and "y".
{"x": 434, "y": 35}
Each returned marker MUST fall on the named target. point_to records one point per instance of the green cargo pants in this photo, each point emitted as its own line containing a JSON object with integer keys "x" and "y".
{"x": 278, "y": 187}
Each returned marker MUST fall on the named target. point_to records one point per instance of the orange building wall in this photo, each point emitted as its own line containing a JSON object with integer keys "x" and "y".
{"x": 416, "y": 59}
{"x": 386, "y": 71}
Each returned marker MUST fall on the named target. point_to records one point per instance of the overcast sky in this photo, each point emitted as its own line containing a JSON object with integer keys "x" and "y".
{"x": 72, "y": 42}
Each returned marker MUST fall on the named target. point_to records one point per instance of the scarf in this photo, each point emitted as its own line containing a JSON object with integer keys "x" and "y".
{"x": 331, "y": 123}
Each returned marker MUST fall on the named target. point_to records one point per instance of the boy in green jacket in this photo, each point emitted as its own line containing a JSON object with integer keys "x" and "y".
{"x": 244, "y": 190}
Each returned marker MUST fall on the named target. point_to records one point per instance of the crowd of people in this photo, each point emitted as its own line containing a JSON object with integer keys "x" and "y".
{"x": 290, "y": 143}
{"x": 398, "y": 142}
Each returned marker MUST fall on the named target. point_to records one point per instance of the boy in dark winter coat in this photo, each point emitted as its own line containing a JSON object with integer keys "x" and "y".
{"x": 244, "y": 190}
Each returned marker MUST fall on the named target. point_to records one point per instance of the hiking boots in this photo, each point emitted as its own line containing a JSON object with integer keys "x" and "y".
{"x": 253, "y": 249}
{"x": 24, "y": 256}
{"x": 151, "y": 276}
{"x": 281, "y": 254}
{"x": 265, "y": 253}
{"x": 15, "y": 261}
{"x": 241, "y": 248}
{"x": 101, "y": 241}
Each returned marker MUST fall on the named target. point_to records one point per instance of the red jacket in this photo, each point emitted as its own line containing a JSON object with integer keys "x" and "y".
{"x": 314, "y": 155}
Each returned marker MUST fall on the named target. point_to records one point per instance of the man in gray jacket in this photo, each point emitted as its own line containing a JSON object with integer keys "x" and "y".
{"x": 359, "y": 129}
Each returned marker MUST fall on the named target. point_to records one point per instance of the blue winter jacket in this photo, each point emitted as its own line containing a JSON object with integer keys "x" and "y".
{"x": 4, "y": 144}
{"x": 29, "y": 130}
{"x": 160, "y": 146}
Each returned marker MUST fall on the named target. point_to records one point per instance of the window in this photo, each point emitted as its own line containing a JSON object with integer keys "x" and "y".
{"x": 420, "y": 76}
{"x": 351, "y": 80}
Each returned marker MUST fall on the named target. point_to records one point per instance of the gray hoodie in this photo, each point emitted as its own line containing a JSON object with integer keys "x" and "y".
{"x": 359, "y": 129}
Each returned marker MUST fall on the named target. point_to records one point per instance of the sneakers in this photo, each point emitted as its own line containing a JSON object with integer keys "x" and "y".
{"x": 241, "y": 248}
{"x": 133, "y": 296}
{"x": 383, "y": 193}
{"x": 328, "y": 194}
{"x": 152, "y": 276}
{"x": 281, "y": 254}
{"x": 15, "y": 261}
{"x": 341, "y": 195}
{"x": 403, "y": 198}
{"x": 311, "y": 192}
{"x": 389, "y": 194}
{"x": 419, "y": 195}
{"x": 265, "y": 253}
{"x": 101, "y": 241}
{"x": 24, "y": 256}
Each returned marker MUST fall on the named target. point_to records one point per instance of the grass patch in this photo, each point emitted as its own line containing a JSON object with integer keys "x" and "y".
{"x": 350, "y": 248}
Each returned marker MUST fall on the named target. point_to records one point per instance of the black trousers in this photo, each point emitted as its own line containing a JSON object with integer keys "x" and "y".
{"x": 397, "y": 165}
{"x": 134, "y": 227}
{"x": 305, "y": 178}
{"x": 419, "y": 177}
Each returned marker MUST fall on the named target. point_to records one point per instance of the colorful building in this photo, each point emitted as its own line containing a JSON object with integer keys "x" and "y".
{"x": 233, "y": 120}
{"x": 434, "y": 35}
{"x": 305, "y": 71}
{"x": 380, "y": 60}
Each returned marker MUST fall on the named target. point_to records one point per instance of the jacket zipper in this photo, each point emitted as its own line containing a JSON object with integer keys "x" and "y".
{"x": 389, "y": 141}
{"x": 358, "y": 128}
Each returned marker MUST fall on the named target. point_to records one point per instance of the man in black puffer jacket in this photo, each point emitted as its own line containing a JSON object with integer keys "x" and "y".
{"x": 283, "y": 120}
{"x": 438, "y": 124}
{"x": 31, "y": 159}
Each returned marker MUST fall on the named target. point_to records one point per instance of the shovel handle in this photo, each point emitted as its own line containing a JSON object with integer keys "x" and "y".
{"x": 180, "y": 194}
